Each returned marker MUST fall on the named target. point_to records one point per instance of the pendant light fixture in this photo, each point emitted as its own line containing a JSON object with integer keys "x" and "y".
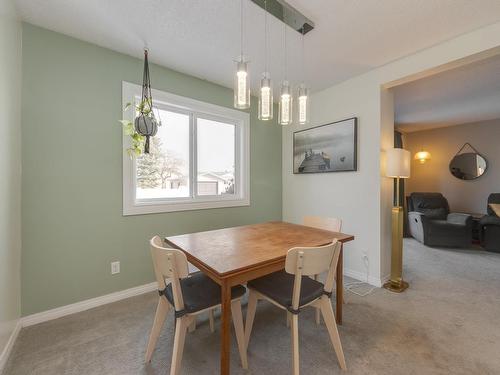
{"x": 266, "y": 89}
{"x": 303, "y": 95}
{"x": 241, "y": 77}
{"x": 422, "y": 156}
{"x": 285, "y": 103}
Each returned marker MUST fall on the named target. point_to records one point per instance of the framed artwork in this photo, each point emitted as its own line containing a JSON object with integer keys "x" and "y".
{"x": 326, "y": 148}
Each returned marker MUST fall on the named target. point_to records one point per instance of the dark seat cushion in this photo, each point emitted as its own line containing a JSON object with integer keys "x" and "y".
{"x": 279, "y": 287}
{"x": 200, "y": 292}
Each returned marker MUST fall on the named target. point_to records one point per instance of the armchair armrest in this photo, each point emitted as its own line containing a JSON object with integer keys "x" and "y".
{"x": 418, "y": 224}
{"x": 489, "y": 220}
{"x": 453, "y": 230}
{"x": 417, "y": 216}
{"x": 459, "y": 219}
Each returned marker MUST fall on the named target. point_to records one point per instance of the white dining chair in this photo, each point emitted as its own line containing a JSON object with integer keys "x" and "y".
{"x": 293, "y": 290}
{"x": 189, "y": 296}
{"x": 331, "y": 224}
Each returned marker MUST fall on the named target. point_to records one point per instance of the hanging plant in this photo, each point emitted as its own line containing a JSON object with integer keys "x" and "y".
{"x": 145, "y": 124}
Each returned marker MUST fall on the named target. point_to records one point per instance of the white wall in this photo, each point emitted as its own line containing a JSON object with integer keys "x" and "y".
{"x": 443, "y": 144}
{"x": 363, "y": 199}
{"x": 10, "y": 172}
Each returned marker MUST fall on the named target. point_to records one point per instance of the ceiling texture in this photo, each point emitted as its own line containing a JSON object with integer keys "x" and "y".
{"x": 467, "y": 94}
{"x": 201, "y": 37}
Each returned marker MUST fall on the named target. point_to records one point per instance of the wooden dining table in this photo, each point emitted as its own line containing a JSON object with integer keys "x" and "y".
{"x": 236, "y": 255}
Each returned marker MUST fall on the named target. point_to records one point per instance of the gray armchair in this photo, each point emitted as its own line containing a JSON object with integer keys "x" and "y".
{"x": 431, "y": 222}
{"x": 490, "y": 227}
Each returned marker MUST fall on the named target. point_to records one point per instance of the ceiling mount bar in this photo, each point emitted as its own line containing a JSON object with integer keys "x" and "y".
{"x": 287, "y": 14}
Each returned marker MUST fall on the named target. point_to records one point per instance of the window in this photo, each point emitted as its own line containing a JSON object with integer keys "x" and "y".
{"x": 198, "y": 159}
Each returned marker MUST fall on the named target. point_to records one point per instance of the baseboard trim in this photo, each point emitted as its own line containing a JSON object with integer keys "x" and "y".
{"x": 385, "y": 279}
{"x": 4, "y": 356}
{"x": 59, "y": 312}
{"x": 375, "y": 281}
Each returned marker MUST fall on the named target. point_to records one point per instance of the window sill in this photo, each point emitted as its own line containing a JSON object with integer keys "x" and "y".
{"x": 156, "y": 207}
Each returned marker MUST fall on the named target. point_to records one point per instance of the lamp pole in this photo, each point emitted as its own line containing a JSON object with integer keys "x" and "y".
{"x": 398, "y": 166}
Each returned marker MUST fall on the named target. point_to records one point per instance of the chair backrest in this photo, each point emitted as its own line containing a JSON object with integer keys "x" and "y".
{"x": 169, "y": 264}
{"x": 433, "y": 205}
{"x": 309, "y": 261}
{"x": 327, "y": 223}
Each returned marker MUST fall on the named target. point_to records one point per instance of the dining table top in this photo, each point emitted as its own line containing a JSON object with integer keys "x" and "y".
{"x": 231, "y": 250}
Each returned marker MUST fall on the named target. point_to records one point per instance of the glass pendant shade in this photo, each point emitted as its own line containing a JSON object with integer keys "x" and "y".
{"x": 303, "y": 105}
{"x": 285, "y": 104}
{"x": 266, "y": 98}
{"x": 241, "y": 85}
{"x": 422, "y": 156}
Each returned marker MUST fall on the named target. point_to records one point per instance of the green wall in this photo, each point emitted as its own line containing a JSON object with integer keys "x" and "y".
{"x": 10, "y": 171}
{"x": 72, "y": 223}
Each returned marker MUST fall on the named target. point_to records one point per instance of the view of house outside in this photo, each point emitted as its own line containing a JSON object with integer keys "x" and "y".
{"x": 164, "y": 173}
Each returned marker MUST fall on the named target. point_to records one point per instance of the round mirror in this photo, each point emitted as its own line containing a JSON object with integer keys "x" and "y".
{"x": 468, "y": 166}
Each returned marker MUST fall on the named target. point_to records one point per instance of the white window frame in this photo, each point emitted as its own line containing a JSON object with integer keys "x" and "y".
{"x": 194, "y": 108}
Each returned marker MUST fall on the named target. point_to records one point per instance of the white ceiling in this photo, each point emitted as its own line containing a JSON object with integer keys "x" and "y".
{"x": 467, "y": 94}
{"x": 201, "y": 37}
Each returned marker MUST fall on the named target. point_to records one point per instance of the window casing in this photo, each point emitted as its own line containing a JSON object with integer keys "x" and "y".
{"x": 201, "y": 127}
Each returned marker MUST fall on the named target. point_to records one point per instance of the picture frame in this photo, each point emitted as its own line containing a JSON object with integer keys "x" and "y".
{"x": 331, "y": 147}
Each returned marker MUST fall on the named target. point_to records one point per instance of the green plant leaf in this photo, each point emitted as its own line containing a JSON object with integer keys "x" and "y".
{"x": 124, "y": 122}
{"x": 129, "y": 129}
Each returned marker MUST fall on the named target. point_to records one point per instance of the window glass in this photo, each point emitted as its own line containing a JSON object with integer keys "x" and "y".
{"x": 216, "y": 157}
{"x": 164, "y": 173}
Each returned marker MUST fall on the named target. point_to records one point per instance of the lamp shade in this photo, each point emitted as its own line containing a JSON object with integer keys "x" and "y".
{"x": 398, "y": 163}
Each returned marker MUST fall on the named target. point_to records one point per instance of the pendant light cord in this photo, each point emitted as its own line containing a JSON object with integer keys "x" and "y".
{"x": 303, "y": 58}
{"x": 265, "y": 35}
{"x": 241, "y": 28}
{"x": 285, "y": 53}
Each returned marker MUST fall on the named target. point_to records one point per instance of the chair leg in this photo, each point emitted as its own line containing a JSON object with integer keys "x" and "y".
{"x": 318, "y": 310}
{"x": 160, "y": 316}
{"x": 251, "y": 308}
{"x": 329, "y": 318}
{"x": 318, "y": 316}
{"x": 192, "y": 326}
{"x": 295, "y": 343}
{"x": 180, "y": 337}
{"x": 211, "y": 320}
{"x": 240, "y": 333}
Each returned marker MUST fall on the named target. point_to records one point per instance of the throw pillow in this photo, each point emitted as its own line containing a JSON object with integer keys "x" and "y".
{"x": 496, "y": 208}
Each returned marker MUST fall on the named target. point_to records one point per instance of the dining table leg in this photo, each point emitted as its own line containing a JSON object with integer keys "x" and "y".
{"x": 340, "y": 286}
{"x": 225, "y": 328}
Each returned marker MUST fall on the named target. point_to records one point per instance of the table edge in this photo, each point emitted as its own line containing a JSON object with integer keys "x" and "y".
{"x": 224, "y": 275}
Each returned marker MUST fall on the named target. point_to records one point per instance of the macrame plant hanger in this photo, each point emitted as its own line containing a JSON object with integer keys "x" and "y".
{"x": 146, "y": 123}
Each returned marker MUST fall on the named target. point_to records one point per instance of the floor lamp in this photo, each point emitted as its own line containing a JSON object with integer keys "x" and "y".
{"x": 398, "y": 166}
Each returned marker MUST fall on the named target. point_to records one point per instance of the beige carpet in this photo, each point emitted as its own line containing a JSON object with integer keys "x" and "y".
{"x": 448, "y": 322}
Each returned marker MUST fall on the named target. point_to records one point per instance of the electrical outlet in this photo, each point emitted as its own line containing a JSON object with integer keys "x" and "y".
{"x": 115, "y": 268}
{"x": 366, "y": 260}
